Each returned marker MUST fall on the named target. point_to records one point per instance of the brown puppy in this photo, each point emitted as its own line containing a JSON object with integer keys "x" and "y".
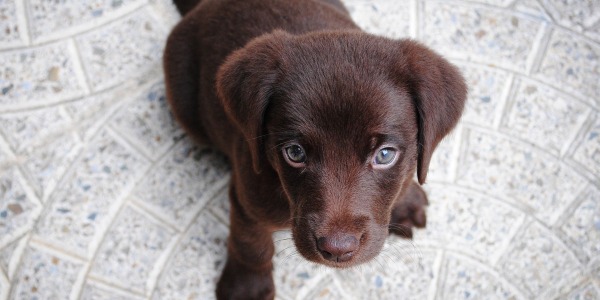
{"x": 324, "y": 126}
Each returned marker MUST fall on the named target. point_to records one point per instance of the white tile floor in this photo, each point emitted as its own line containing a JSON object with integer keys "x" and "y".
{"x": 103, "y": 197}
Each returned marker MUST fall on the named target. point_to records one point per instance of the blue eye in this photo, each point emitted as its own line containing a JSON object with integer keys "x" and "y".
{"x": 295, "y": 154}
{"x": 385, "y": 156}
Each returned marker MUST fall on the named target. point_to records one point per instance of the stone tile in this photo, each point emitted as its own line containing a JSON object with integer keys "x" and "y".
{"x": 25, "y": 130}
{"x": 92, "y": 291}
{"x": 469, "y": 222}
{"x": 55, "y": 19}
{"x": 111, "y": 55}
{"x": 219, "y": 206}
{"x": 486, "y": 87}
{"x": 589, "y": 291}
{"x": 47, "y": 164}
{"x": 196, "y": 263}
{"x": 401, "y": 274}
{"x": 440, "y": 167}
{"x": 587, "y": 151}
{"x": 387, "y": 18}
{"x": 468, "y": 279}
{"x": 501, "y": 3}
{"x": 479, "y": 34}
{"x": 167, "y": 11}
{"x": 130, "y": 250}
{"x": 294, "y": 275}
{"x": 506, "y": 168}
{"x": 90, "y": 190}
{"x": 572, "y": 64}
{"x": 11, "y": 33}
{"x": 583, "y": 226}
{"x": 91, "y": 112}
{"x": 574, "y": 14}
{"x": 43, "y": 275}
{"x": 18, "y": 208}
{"x": 536, "y": 260}
{"x": 11, "y": 254}
{"x": 37, "y": 76}
{"x": 543, "y": 116}
{"x": 327, "y": 289}
{"x": 182, "y": 184}
{"x": 148, "y": 122}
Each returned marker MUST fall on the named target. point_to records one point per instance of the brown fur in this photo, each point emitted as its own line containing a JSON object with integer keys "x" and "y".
{"x": 252, "y": 77}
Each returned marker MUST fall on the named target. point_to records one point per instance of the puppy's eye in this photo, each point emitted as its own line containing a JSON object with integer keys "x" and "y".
{"x": 294, "y": 155}
{"x": 385, "y": 157}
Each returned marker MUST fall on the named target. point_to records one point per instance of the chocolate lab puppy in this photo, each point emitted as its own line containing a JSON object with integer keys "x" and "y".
{"x": 324, "y": 126}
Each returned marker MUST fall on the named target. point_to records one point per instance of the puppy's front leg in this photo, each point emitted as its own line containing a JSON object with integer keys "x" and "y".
{"x": 248, "y": 271}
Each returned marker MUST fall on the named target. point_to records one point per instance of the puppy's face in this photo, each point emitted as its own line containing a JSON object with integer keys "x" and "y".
{"x": 343, "y": 150}
{"x": 344, "y": 119}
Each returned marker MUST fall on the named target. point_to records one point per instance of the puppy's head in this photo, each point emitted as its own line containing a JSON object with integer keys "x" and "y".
{"x": 344, "y": 119}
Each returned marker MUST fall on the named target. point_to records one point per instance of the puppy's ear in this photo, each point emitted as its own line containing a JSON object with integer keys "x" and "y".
{"x": 245, "y": 83}
{"x": 439, "y": 93}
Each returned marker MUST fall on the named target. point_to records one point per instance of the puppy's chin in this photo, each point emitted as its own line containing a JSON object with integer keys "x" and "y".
{"x": 370, "y": 246}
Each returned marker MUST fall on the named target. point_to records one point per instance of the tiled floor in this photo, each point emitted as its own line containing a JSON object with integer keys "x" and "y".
{"x": 103, "y": 197}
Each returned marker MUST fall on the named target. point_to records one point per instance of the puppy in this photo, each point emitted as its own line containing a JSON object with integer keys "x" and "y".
{"x": 324, "y": 126}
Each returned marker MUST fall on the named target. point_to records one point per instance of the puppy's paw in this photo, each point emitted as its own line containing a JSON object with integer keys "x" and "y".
{"x": 409, "y": 212}
{"x": 239, "y": 282}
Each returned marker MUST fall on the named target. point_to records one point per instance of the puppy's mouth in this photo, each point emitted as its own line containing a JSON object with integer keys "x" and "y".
{"x": 338, "y": 248}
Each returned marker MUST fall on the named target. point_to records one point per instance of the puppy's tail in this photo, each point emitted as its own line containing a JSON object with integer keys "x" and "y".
{"x": 184, "y": 6}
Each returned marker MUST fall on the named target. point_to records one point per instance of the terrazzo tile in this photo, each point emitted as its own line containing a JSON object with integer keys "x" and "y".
{"x": 11, "y": 34}
{"x": 94, "y": 292}
{"x": 40, "y": 75}
{"x": 10, "y": 254}
{"x": 587, "y": 151}
{"x": 408, "y": 277}
{"x": 486, "y": 87}
{"x": 500, "y": 3}
{"x": 472, "y": 223}
{"x": 543, "y": 116}
{"x": 183, "y": 182}
{"x": 196, "y": 263}
{"x": 468, "y": 279}
{"x": 89, "y": 191}
{"x": 58, "y": 18}
{"x": 479, "y": 34}
{"x": 44, "y": 275}
{"x": 167, "y": 11}
{"x": 4, "y": 286}
{"x": 440, "y": 167}
{"x": 572, "y": 64}
{"x": 588, "y": 292}
{"x": 111, "y": 55}
{"x": 575, "y": 14}
{"x": 499, "y": 166}
{"x": 536, "y": 260}
{"x": 387, "y": 18}
{"x": 18, "y": 209}
{"x": 294, "y": 275}
{"x": 148, "y": 122}
{"x": 47, "y": 164}
{"x": 90, "y": 113}
{"x": 583, "y": 226}
{"x": 130, "y": 250}
{"x": 23, "y": 129}
{"x": 328, "y": 289}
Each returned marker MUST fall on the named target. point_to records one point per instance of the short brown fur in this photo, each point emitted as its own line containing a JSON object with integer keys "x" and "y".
{"x": 252, "y": 77}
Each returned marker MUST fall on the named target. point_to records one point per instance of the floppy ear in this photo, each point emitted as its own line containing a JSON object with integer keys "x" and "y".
{"x": 245, "y": 82}
{"x": 439, "y": 93}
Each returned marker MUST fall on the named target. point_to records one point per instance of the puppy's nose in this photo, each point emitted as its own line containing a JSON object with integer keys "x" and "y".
{"x": 338, "y": 248}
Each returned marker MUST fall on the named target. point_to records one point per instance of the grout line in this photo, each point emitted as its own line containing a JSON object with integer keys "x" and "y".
{"x": 580, "y": 131}
{"x": 414, "y": 19}
{"x": 53, "y": 250}
{"x": 4, "y": 282}
{"x": 439, "y": 278}
{"x": 456, "y": 154}
{"x": 17, "y": 254}
{"x": 23, "y": 21}
{"x": 505, "y": 101}
{"x": 114, "y": 290}
{"x": 78, "y": 66}
{"x": 538, "y": 49}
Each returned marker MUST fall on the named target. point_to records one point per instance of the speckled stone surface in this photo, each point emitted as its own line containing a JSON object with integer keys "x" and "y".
{"x": 102, "y": 196}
